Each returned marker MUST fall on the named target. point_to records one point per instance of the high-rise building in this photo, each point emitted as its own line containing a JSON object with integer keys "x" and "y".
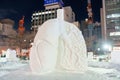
{"x": 111, "y": 21}
{"x": 64, "y": 13}
{"x": 53, "y": 9}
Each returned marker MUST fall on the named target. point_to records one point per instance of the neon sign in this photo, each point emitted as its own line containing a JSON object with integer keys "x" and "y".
{"x": 49, "y": 2}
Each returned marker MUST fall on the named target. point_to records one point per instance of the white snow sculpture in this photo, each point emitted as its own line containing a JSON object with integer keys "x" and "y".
{"x": 11, "y": 55}
{"x": 115, "y": 57}
{"x": 58, "y": 45}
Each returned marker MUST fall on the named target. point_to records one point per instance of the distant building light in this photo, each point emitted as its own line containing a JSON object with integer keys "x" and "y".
{"x": 86, "y": 19}
{"x": 116, "y": 48}
{"x": 31, "y": 43}
{"x": 24, "y": 40}
{"x": 34, "y": 26}
{"x": 114, "y": 33}
{"x": 47, "y": 12}
{"x": 117, "y": 27}
{"x": 113, "y": 16}
{"x": 35, "y": 18}
{"x": 107, "y": 47}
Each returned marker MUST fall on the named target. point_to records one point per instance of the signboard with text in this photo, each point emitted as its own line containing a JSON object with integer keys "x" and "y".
{"x": 50, "y": 2}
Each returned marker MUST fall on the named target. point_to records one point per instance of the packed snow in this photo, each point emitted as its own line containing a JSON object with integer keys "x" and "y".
{"x": 20, "y": 70}
{"x": 96, "y": 71}
{"x": 58, "y": 45}
{"x": 7, "y": 67}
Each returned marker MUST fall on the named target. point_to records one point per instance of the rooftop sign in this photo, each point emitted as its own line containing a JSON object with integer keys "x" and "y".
{"x": 50, "y": 2}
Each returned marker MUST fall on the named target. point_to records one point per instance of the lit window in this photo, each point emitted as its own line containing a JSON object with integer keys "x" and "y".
{"x": 117, "y": 27}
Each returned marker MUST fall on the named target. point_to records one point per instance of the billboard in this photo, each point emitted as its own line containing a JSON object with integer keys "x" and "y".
{"x": 50, "y": 2}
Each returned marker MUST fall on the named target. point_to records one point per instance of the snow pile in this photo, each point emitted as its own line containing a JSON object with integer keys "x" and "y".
{"x": 115, "y": 57}
{"x": 106, "y": 69}
{"x": 58, "y": 45}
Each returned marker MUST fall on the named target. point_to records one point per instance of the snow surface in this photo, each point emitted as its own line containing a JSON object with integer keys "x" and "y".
{"x": 21, "y": 71}
{"x": 58, "y": 45}
{"x": 9, "y": 66}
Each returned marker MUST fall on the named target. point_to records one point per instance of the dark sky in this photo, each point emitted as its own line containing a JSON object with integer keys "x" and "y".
{"x": 15, "y": 9}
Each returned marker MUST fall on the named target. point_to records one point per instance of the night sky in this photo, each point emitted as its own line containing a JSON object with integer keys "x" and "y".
{"x": 15, "y": 9}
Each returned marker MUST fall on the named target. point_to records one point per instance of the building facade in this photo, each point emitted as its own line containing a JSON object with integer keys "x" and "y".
{"x": 64, "y": 13}
{"x": 7, "y": 34}
{"x": 41, "y": 16}
{"x": 110, "y": 19}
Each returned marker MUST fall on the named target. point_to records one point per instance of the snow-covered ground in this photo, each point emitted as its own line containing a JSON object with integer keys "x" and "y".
{"x": 20, "y": 70}
{"x": 107, "y": 69}
{"x": 7, "y": 67}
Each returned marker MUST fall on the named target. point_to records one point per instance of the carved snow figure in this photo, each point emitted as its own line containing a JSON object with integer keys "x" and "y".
{"x": 58, "y": 45}
{"x": 11, "y": 55}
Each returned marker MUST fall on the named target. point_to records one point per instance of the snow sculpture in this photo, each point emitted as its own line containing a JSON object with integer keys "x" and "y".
{"x": 115, "y": 57}
{"x": 11, "y": 55}
{"x": 58, "y": 45}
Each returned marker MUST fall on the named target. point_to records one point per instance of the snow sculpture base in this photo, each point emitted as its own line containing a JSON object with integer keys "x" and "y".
{"x": 58, "y": 45}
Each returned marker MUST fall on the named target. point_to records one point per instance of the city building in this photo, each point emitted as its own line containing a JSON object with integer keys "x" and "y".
{"x": 7, "y": 27}
{"x": 91, "y": 29}
{"x": 110, "y": 18}
{"x": 50, "y": 4}
{"x": 7, "y": 33}
{"x": 64, "y": 13}
{"x": 53, "y": 9}
{"x": 95, "y": 37}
